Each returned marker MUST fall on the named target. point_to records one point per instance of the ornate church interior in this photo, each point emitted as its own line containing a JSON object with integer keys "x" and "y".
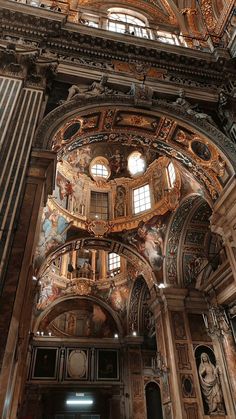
{"x": 117, "y": 209}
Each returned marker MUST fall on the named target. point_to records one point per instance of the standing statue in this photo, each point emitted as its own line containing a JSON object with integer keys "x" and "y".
{"x": 95, "y": 89}
{"x": 183, "y": 103}
{"x": 142, "y": 94}
{"x": 210, "y": 385}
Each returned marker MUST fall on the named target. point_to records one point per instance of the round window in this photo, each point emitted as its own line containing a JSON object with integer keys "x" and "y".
{"x": 136, "y": 163}
{"x": 99, "y": 168}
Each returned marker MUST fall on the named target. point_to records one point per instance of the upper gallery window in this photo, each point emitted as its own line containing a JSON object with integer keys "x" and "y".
{"x": 168, "y": 38}
{"x": 90, "y": 20}
{"x": 141, "y": 199}
{"x": 113, "y": 261}
{"x": 136, "y": 163}
{"x": 171, "y": 175}
{"x": 124, "y": 21}
{"x": 99, "y": 205}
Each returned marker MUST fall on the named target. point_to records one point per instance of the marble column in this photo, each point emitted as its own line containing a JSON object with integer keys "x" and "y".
{"x": 103, "y": 266}
{"x": 10, "y": 89}
{"x": 64, "y": 265}
{"x": 223, "y": 222}
{"x": 18, "y": 290}
{"x": 137, "y": 396}
{"x": 179, "y": 355}
{"x": 229, "y": 348}
{"x": 93, "y": 264}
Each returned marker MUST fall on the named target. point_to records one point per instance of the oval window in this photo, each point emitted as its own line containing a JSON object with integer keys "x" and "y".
{"x": 71, "y": 131}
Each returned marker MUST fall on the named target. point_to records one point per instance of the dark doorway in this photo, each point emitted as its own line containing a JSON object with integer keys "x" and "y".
{"x": 54, "y": 404}
{"x": 153, "y": 401}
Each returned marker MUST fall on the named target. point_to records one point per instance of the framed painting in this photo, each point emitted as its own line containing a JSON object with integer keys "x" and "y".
{"x": 107, "y": 364}
{"x": 45, "y": 363}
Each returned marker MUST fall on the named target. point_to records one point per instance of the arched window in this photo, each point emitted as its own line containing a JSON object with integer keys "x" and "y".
{"x": 99, "y": 168}
{"x": 124, "y": 21}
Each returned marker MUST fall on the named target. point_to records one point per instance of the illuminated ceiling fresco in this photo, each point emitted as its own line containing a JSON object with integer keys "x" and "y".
{"x": 75, "y": 244}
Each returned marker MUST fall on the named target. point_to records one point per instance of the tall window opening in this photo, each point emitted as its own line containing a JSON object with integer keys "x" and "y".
{"x": 123, "y": 22}
{"x": 113, "y": 262}
{"x": 141, "y": 199}
{"x": 171, "y": 175}
{"x": 99, "y": 205}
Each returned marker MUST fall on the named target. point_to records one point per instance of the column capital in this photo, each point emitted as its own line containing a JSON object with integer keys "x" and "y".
{"x": 26, "y": 64}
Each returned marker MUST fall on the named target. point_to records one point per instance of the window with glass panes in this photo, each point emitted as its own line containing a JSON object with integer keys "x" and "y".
{"x": 99, "y": 205}
{"x": 99, "y": 170}
{"x": 113, "y": 261}
{"x": 141, "y": 199}
{"x": 171, "y": 174}
{"x": 125, "y": 23}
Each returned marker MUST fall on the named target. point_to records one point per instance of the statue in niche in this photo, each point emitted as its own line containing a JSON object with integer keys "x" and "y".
{"x": 120, "y": 201}
{"x": 191, "y": 109}
{"x": 95, "y": 89}
{"x": 210, "y": 385}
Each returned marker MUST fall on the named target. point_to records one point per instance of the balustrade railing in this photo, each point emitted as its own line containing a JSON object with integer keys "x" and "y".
{"x": 102, "y": 21}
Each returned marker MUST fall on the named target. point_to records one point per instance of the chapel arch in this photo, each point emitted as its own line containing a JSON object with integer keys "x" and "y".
{"x": 91, "y": 306}
{"x": 193, "y": 251}
{"x": 195, "y": 145}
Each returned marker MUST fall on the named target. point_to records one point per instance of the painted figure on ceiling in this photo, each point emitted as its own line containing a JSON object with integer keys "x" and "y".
{"x": 149, "y": 240}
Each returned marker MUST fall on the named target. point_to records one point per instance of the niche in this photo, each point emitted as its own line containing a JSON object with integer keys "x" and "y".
{"x": 153, "y": 401}
{"x": 209, "y": 379}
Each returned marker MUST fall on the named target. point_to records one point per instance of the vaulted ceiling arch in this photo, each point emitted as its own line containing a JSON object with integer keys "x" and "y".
{"x": 165, "y": 127}
{"x": 65, "y": 304}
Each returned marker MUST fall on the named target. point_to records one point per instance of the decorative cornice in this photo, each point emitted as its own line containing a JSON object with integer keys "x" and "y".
{"x": 75, "y": 39}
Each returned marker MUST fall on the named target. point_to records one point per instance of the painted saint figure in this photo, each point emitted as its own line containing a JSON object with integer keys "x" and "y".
{"x": 210, "y": 384}
{"x": 151, "y": 244}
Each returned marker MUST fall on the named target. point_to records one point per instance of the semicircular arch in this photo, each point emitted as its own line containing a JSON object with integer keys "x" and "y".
{"x": 186, "y": 241}
{"x": 66, "y": 303}
{"x": 107, "y": 244}
{"x": 56, "y": 118}
{"x": 167, "y": 129}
